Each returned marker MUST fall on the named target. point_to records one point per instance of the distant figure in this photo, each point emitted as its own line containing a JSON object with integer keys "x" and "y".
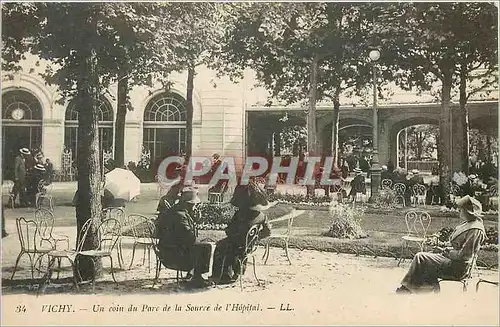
{"x": 416, "y": 178}
{"x": 358, "y": 184}
{"x": 49, "y": 169}
{"x": 386, "y": 174}
{"x": 36, "y": 176}
{"x": 20, "y": 177}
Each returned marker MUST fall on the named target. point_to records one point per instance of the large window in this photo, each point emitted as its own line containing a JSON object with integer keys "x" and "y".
{"x": 164, "y": 126}
{"x": 21, "y": 126}
{"x": 105, "y": 127}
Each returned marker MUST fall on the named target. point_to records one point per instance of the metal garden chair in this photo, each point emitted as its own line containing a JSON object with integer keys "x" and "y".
{"x": 119, "y": 214}
{"x": 417, "y": 224}
{"x": 138, "y": 226}
{"x": 419, "y": 194}
{"x": 386, "y": 184}
{"x": 400, "y": 190}
{"x": 284, "y": 237}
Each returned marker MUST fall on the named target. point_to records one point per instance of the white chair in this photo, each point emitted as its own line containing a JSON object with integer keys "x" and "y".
{"x": 284, "y": 237}
{"x": 400, "y": 190}
{"x": 386, "y": 184}
{"x": 419, "y": 194}
{"x": 417, "y": 224}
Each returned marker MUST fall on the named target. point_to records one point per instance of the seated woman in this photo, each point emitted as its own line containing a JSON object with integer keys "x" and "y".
{"x": 249, "y": 199}
{"x": 450, "y": 262}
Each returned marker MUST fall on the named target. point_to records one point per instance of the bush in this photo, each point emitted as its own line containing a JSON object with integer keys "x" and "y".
{"x": 385, "y": 198}
{"x": 491, "y": 236}
{"x": 345, "y": 222}
{"x": 298, "y": 198}
{"x": 215, "y": 217}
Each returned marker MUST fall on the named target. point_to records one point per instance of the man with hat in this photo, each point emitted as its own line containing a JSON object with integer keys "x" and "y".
{"x": 385, "y": 174}
{"x": 177, "y": 239}
{"x": 35, "y": 177}
{"x": 450, "y": 262}
{"x": 20, "y": 177}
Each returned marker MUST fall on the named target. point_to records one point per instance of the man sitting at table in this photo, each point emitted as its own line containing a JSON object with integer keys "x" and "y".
{"x": 178, "y": 248}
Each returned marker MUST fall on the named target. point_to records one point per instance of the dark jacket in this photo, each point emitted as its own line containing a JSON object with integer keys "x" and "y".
{"x": 358, "y": 185}
{"x": 177, "y": 233}
{"x": 20, "y": 169}
{"x": 168, "y": 200}
{"x": 242, "y": 221}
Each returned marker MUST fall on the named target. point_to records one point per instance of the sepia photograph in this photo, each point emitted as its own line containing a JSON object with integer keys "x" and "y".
{"x": 249, "y": 163}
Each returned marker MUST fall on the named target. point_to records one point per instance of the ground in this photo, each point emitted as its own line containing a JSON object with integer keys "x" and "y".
{"x": 320, "y": 287}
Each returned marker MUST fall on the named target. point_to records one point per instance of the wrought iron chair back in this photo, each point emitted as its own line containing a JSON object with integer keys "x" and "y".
{"x": 417, "y": 223}
{"x": 109, "y": 231}
{"x": 28, "y": 232}
{"x": 45, "y": 221}
{"x": 386, "y": 184}
{"x": 82, "y": 235}
{"x": 135, "y": 224}
{"x": 113, "y": 212}
{"x": 251, "y": 240}
{"x": 400, "y": 190}
{"x": 419, "y": 193}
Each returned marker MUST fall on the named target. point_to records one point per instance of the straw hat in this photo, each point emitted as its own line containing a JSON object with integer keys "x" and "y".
{"x": 472, "y": 176}
{"x": 357, "y": 171}
{"x": 415, "y": 171}
{"x": 24, "y": 151}
{"x": 384, "y": 167}
{"x": 471, "y": 205}
{"x": 40, "y": 167}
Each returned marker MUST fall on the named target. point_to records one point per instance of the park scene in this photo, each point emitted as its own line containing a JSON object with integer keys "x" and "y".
{"x": 253, "y": 155}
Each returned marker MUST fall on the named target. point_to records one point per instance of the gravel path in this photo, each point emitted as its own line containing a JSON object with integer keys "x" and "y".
{"x": 321, "y": 288}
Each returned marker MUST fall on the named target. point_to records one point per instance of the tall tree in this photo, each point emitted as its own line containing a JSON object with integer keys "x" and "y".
{"x": 280, "y": 41}
{"x": 82, "y": 42}
{"x": 427, "y": 43}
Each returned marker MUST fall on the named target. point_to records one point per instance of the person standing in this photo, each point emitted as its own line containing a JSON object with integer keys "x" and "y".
{"x": 20, "y": 177}
{"x": 36, "y": 176}
{"x": 49, "y": 168}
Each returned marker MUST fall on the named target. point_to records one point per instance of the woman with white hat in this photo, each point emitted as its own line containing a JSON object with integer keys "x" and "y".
{"x": 452, "y": 261}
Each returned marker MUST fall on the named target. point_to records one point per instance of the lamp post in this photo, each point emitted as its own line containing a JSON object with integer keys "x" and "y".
{"x": 375, "y": 169}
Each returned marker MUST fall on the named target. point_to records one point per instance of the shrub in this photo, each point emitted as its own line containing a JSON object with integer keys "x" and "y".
{"x": 385, "y": 198}
{"x": 298, "y": 198}
{"x": 491, "y": 236}
{"x": 345, "y": 222}
{"x": 215, "y": 217}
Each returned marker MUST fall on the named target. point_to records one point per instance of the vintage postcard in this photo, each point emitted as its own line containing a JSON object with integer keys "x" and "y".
{"x": 247, "y": 163}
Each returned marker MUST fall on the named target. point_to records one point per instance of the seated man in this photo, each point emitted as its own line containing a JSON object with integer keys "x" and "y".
{"x": 177, "y": 239}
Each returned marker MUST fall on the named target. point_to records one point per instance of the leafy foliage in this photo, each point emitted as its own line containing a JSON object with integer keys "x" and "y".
{"x": 385, "y": 198}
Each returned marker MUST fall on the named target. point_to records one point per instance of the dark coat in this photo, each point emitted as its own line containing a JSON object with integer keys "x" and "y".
{"x": 168, "y": 200}
{"x": 177, "y": 234}
{"x": 358, "y": 185}
{"x": 20, "y": 169}
{"x": 241, "y": 223}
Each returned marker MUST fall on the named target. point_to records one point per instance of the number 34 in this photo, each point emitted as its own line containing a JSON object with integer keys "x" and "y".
{"x": 20, "y": 308}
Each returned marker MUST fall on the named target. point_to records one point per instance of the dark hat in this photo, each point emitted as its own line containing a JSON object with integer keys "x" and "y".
{"x": 189, "y": 195}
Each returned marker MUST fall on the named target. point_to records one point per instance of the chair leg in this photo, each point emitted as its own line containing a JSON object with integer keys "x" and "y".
{"x": 402, "y": 253}
{"x": 241, "y": 274}
{"x": 58, "y": 267}
{"x": 286, "y": 251}
{"x": 254, "y": 271}
{"x": 477, "y": 285}
{"x": 143, "y": 255}
{"x": 46, "y": 278}
{"x": 133, "y": 254}
{"x": 73, "y": 268}
{"x": 268, "y": 249}
{"x": 17, "y": 262}
{"x": 112, "y": 268}
{"x": 464, "y": 288}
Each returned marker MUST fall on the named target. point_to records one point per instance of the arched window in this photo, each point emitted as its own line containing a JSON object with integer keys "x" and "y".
{"x": 105, "y": 126}
{"x": 21, "y": 126}
{"x": 166, "y": 107}
{"x": 164, "y": 126}
{"x": 21, "y": 105}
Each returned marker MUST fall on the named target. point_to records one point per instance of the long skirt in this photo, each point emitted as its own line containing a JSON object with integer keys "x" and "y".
{"x": 427, "y": 267}
{"x": 226, "y": 265}
{"x": 195, "y": 257}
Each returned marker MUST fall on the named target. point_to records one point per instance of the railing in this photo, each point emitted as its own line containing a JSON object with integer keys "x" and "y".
{"x": 426, "y": 166}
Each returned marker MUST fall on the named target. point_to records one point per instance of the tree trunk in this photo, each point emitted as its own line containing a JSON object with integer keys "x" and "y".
{"x": 89, "y": 175}
{"x": 335, "y": 131}
{"x": 311, "y": 116}
{"x": 121, "y": 113}
{"x": 461, "y": 135}
{"x": 189, "y": 113}
{"x": 445, "y": 139}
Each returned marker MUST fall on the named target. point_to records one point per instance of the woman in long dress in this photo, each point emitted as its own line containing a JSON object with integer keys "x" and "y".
{"x": 452, "y": 261}
{"x": 250, "y": 200}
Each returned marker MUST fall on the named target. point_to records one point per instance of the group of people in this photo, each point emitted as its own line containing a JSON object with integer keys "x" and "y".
{"x": 180, "y": 247}
{"x": 29, "y": 170}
